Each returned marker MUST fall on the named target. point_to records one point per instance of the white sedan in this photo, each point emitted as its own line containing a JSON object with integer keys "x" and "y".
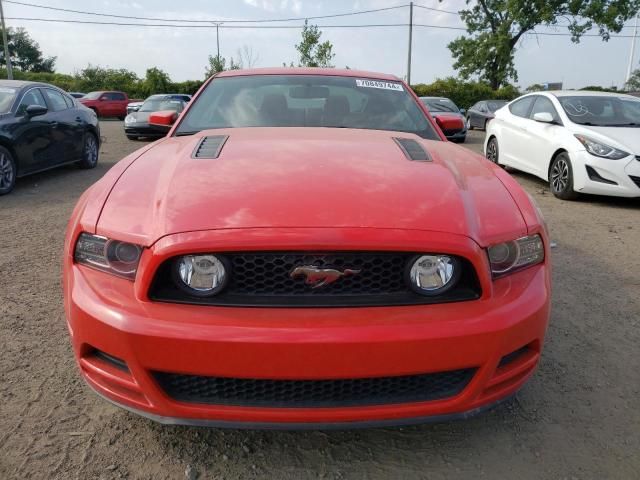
{"x": 580, "y": 142}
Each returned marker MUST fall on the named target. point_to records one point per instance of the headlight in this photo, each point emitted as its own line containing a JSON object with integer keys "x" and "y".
{"x": 600, "y": 149}
{"x": 112, "y": 256}
{"x": 510, "y": 256}
{"x": 200, "y": 275}
{"x": 434, "y": 274}
{"x": 129, "y": 119}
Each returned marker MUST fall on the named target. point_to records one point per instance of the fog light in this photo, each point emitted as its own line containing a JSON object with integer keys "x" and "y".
{"x": 434, "y": 274}
{"x": 200, "y": 275}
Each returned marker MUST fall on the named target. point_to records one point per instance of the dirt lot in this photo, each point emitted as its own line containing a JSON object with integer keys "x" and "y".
{"x": 577, "y": 418}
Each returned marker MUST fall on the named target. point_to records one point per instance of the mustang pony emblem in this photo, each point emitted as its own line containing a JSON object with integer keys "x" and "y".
{"x": 319, "y": 277}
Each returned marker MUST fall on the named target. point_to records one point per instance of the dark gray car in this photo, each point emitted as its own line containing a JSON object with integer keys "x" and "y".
{"x": 479, "y": 115}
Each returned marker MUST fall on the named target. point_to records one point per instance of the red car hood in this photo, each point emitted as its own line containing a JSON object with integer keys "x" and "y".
{"x": 308, "y": 177}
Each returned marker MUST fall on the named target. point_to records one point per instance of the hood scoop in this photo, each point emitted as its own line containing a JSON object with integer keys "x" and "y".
{"x": 210, "y": 147}
{"x": 412, "y": 149}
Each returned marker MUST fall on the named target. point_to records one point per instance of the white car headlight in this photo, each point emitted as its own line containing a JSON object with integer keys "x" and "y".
{"x": 111, "y": 256}
{"x": 600, "y": 149}
{"x": 129, "y": 119}
{"x": 511, "y": 256}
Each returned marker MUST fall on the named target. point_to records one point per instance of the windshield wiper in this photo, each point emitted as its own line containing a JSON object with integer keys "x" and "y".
{"x": 630, "y": 124}
{"x": 184, "y": 134}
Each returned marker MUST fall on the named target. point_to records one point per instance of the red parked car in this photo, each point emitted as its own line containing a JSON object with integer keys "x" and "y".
{"x": 107, "y": 104}
{"x": 305, "y": 249}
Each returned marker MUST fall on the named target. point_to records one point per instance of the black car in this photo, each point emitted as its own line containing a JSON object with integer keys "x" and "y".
{"x": 43, "y": 127}
{"x": 479, "y": 115}
{"x": 136, "y": 124}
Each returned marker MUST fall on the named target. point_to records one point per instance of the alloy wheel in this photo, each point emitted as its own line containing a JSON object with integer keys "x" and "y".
{"x": 492, "y": 151}
{"x": 90, "y": 150}
{"x": 559, "y": 175}
{"x": 6, "y": 171}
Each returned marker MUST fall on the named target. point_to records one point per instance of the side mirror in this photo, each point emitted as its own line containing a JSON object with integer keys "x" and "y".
{"x": 543, "y": 117}
{"x": 35, "y": 110}
{"x": 463, "y": 111}
{"x": 449, "y": 123}
{"x": 163, "y": 120}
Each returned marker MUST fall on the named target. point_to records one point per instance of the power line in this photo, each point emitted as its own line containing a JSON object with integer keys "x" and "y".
{"x": 222, "y": 25}
{"x": 433, "y": 9}
{"x": 275, "y": 27}
{"x": 128, "y": 17}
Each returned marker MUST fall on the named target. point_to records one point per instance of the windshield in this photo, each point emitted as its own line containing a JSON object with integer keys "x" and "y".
{"x": 305, "y": 101}
{"x": 161, "y": 103}
{"x": 7, "y": 97}
{"x": 440, "y": 105}
{"x": 93, "y": 95}
{"x": 496, "y": 104}
{"x": 602, "y": 111}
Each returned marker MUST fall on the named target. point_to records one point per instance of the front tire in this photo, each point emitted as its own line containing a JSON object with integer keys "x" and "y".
{"x": 561, "y": 178}
{"x": 469, "y": 126}
{"x": 8, "y": 171}
{"x": 493, "y": 152}
{"x": 133, "y": 137}
{"x": 90, "y": 152}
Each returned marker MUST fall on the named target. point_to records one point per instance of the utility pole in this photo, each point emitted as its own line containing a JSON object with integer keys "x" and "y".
{"x": 217, "y": 38}
{"x": 6, "y": 45}
{"x": 410, "y": 35}
{"x": 633, "y": 48}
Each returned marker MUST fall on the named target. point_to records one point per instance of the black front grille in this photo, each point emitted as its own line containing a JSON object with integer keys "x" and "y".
{"x": 264, "y": 279}
{"x": 313, "y": 393}
{"x": 635, "y": 180}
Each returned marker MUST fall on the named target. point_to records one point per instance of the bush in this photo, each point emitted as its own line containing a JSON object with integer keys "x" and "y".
{"x": 464, "y": 94}
{"x": 98, "y": 78}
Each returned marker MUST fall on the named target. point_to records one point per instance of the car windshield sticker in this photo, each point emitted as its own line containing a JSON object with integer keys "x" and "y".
{"x": 378, "y": 84}
{"x": 577, "y": 109}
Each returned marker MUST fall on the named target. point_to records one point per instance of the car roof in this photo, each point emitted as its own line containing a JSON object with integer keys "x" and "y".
{"x": 21, "y": 84}
{"x": 584, "y": 93}
{"x": 434, "y": 98}
{"x": 339, "y": 72}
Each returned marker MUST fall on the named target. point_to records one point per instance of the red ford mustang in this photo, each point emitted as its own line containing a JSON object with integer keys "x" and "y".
{"x": 305, "y": 249}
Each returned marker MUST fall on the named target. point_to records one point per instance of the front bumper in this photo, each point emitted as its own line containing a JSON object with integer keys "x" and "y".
{"x": 458, "y": 136}
{"x": 111, "y": 315}
{"x": 618, "y": 171}
{"x": 143, "y": 130}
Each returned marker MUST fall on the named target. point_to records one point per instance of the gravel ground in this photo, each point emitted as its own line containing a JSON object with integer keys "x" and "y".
{"x": 577, "y": 418}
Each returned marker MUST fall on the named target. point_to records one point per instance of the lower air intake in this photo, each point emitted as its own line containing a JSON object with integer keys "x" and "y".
{"x": 313, "y": 393}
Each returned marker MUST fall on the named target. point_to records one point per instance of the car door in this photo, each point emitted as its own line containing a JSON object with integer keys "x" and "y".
{"x": 33, "y": 142}
{"x": 474, "y": 115}
{"x": 544, "y": 137}
{"x": 514, "y": 140}
{"x": 66, "y": 134}
{"x": 107, "y": 105}
{"x": 119, "y": 103}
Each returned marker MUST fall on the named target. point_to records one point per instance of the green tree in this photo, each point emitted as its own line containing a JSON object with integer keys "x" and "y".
{"x": 218, "y": 64}
{"x": 25, "y": 52}
{"x": 312, "y": 52}
{"x": 99, "y": 78}
{"x": 633, "y": 84}
{"x": 536, "y": 87}
{"x": 156, "y": 81}
{"x": 495, "y": 26}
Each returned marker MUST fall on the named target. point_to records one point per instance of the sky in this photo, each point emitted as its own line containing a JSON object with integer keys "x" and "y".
{"x": 183, "y": 52}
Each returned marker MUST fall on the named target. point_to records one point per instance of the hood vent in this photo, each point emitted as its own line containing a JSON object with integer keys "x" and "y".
{"x": 209, "y": 147}
{"x": 412, "y": 149}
